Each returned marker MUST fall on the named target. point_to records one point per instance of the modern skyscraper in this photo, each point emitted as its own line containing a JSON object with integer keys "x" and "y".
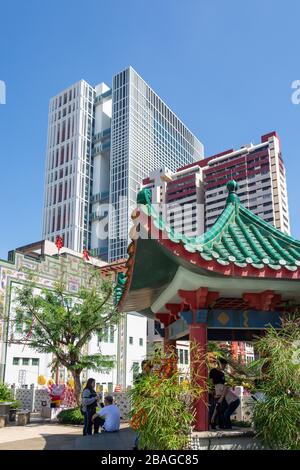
{"x": 69, "y": 166}
{"x": 146, "y": 134}
{"x": 101, "y": 143}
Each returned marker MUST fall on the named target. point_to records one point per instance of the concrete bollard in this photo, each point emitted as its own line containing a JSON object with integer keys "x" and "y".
{"x": 3, "y": 421}
{"x": 23, "y": 418}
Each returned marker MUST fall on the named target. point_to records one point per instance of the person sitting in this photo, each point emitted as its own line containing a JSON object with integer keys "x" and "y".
{"x": 108, "y": 417}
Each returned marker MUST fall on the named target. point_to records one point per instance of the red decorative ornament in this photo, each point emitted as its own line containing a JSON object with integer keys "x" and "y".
{"x": 59, "y": 242}
{"x": 86, "y": 255}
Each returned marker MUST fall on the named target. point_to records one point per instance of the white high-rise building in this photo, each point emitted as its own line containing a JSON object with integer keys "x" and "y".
{"x": 69, "y": 166}
{"x": 145, "y": 134}
{"x": 101, "y": 143}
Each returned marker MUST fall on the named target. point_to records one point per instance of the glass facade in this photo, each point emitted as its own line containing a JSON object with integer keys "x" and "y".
{"x": 145, "y": 135}
{"x": 102, "y": 142}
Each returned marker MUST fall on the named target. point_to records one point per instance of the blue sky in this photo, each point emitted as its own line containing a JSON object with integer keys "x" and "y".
{"x": 225, "y": 67}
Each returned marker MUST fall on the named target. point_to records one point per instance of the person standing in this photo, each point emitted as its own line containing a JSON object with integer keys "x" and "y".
{"x": 89, "y": 405}
{"x": 217, "y": 406}
{"x": 226, "y": 400}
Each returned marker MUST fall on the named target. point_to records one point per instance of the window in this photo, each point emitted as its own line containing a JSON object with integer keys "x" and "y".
{"x": 186, "y": 356}
{"x": 112, "y": 334}
{"x": 16, "y": 361}
{"x": 35, "y": 362}
{"x": 157, "y": 328}
{"x": 141, "y": 342}
{"x": 19, "y": 327}
{"x": 25, "y": 361}
{"x": 130, "y": 339}
{"x": 135, "y": 370}
{"x": 181, "y": 356}
{"x": 103, "y": 335}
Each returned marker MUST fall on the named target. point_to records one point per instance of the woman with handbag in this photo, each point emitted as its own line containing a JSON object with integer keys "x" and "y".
{"x": 89, "y": 405}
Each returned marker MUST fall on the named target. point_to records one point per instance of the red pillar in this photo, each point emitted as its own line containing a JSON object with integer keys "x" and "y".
{"x": 198, "y": 337}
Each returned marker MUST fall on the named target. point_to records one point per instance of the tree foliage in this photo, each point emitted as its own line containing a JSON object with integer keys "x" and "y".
{"x": 60, "y": 323}
{"x": 277, "y": 418}
{"x": 163, "y": 405}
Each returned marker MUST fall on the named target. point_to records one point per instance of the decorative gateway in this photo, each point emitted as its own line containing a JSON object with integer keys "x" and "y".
{"x": 226, "y": 284}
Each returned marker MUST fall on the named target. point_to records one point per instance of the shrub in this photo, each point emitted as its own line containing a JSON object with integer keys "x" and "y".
{"x": 162, "y": 406}
{"x": 70, "y": 416}
{"x": 5, "y": 393}
{"x": 277, "y": 417}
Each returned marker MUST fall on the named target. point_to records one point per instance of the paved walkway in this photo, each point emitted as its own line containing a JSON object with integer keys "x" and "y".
{"x": 43, "y": 435}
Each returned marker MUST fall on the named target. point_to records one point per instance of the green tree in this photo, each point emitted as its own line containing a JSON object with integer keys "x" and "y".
{"x": 58, "y": 322}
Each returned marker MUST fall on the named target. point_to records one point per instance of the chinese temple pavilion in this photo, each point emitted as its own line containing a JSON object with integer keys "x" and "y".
{"x": 229, "y": 283}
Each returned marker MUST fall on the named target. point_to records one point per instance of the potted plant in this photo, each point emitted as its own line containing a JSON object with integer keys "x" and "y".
{"x": 6, "y": 399}
{"x": 14, "y": 407}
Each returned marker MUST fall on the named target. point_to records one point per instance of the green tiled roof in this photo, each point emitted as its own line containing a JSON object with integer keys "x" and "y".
{"x": 238, "y": 236}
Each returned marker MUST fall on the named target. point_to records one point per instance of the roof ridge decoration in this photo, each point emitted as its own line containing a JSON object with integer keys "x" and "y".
{"x": 238, "y": 236}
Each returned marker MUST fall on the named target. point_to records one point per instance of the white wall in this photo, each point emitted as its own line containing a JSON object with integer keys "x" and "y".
{"x": 108, "y": 349}
{"x": 136, "y": 329}
{"x": 31, "y": 372}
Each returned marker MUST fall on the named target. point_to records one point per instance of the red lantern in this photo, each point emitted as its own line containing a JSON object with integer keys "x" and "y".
{"x": 59, "y": 242}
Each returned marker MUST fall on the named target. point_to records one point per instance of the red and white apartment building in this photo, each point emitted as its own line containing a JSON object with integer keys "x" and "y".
{"x": 194, "y": 196}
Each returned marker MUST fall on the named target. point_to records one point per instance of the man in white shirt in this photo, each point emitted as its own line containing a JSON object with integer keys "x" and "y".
{"x": 108, "y": 417}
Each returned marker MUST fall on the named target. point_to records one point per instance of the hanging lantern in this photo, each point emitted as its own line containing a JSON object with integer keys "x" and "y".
{"x": 70, "y": 383}
{"x": 86, "y": 255}
{"x": 42, "y": 380}
{"x": 59, "y": 242}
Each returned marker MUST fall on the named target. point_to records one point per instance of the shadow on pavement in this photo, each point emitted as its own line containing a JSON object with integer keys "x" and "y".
{"x": 121, "y": 440}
